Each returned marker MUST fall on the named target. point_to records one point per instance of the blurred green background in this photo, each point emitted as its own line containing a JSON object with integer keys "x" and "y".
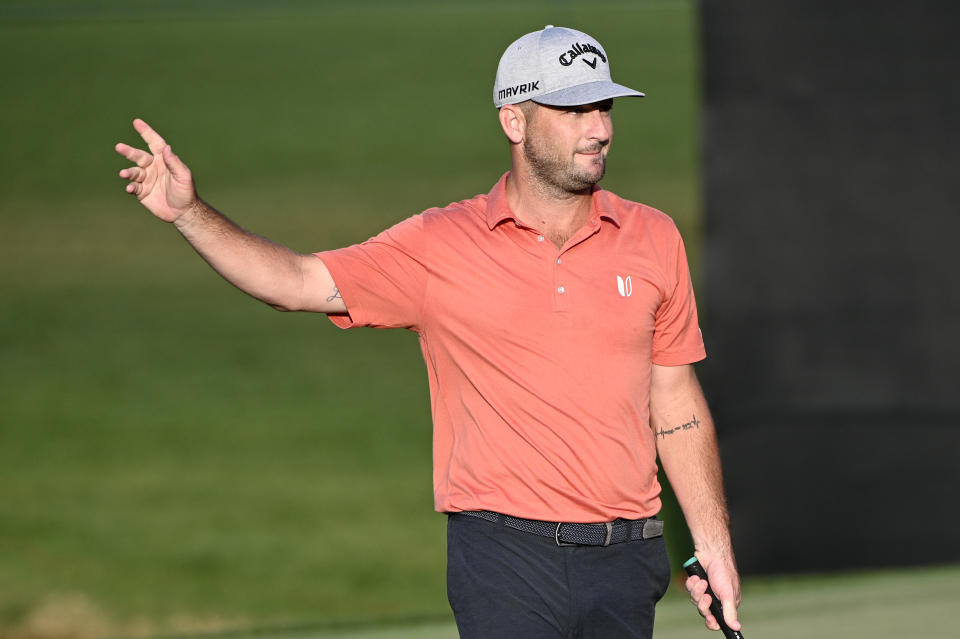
{"x": 175, "y": 457}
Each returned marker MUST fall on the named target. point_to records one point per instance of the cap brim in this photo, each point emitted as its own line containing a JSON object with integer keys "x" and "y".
{"x": 587, "y": 94}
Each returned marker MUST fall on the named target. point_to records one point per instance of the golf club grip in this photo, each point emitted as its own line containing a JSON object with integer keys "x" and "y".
{"x": 693, "y": 567}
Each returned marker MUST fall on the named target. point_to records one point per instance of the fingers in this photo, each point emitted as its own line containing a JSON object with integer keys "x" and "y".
{"x": 138, "y": 157}
{"x": 701, "y": 600}
{"x": 703, "y": 607}
{"x": 134, "y": 174}
{"x": 725, "y": 583}
{"x": 158, "y": 166}
{"x": 154, "y": 142}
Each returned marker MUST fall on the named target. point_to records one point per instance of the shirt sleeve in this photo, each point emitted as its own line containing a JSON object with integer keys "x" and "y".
{"x": 677, "y": 339}
{"x": 383, "y": 280}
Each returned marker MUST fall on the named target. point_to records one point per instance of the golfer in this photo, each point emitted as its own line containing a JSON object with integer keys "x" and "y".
{"x": 558, "y": 326}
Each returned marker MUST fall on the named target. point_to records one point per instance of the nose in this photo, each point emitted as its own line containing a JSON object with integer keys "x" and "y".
{"x": 598, "y": 126}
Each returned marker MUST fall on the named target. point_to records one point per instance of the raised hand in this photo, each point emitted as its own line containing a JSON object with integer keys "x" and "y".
{"x": 160, "y": 180}
{"x": 274, "y": 274}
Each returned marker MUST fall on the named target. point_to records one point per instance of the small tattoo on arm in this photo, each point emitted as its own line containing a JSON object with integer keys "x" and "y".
{"x": 335, "y": 296}
{"x": 693, "y": 423}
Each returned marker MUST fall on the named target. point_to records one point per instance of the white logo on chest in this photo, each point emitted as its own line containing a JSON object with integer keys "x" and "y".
{"x": 624, "y": 286}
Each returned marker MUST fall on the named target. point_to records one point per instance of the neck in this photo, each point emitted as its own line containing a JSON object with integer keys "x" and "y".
{"x": 554, "y": 213}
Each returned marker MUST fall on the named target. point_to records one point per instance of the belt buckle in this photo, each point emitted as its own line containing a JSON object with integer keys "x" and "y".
{"x": 609, "y": 525}
{"x": 556, "y": 537}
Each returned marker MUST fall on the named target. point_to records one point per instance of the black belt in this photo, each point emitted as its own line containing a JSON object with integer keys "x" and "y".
{"x": 574, "y": 534}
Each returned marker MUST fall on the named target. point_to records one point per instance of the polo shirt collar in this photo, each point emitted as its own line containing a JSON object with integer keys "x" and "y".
{"x": 498, "y": 210}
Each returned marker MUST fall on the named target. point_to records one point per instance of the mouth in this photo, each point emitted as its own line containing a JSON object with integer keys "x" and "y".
{"x": 593, "y": 156}
{"x": 592, "y": 151}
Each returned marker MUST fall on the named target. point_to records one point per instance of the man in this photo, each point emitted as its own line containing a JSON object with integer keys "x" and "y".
{"x": 558, "y": 325}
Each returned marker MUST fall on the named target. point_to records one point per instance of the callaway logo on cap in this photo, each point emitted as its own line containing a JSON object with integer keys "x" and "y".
{"x": 556, "y": 67}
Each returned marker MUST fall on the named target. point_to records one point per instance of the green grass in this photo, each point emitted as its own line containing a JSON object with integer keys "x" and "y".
{"x": 173, "y": 456}
{"x": 874, "y": 605}
{"x": 870, "y": 605}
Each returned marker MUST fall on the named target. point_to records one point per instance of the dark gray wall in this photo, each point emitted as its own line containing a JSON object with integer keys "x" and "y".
{"x": 830, "y": 300}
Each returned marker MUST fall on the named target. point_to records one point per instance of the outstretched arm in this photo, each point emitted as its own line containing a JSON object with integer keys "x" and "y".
{"x": 272, "y": 273}
{"x": 687, "y": 446}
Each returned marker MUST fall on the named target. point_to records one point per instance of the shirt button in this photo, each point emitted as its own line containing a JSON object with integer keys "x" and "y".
{"x": 539, "y": 238}
{"x": 559, "y": 261}
{"x": 560, "y": 290}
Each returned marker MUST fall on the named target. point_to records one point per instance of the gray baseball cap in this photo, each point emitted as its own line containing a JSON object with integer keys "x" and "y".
{"x": 556, "y": 67}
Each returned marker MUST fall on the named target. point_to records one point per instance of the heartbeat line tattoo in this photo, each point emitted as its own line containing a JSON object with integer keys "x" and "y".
{"x": 335, "y": 296}
{"x": 693, "y": 423}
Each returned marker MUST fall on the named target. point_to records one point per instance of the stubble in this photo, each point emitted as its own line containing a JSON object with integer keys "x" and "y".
{"x": 559, "y": 172}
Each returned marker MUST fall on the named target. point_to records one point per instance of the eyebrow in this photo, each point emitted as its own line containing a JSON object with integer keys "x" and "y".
{"x": 583, "y": 108}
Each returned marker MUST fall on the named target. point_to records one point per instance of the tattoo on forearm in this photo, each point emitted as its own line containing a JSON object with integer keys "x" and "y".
{"x": 335, "y": 296}
{"x": 693, "y": 423}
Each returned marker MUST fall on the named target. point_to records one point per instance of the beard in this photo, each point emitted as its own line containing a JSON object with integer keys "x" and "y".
{"x": 560, "y": 172}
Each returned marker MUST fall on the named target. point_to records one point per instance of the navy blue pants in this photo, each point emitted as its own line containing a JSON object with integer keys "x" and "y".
{"x": 506, "y": 583}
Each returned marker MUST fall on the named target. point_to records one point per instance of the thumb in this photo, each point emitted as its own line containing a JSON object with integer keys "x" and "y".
{"x": 178, "y": 170}
{"x": 730, "y": 614}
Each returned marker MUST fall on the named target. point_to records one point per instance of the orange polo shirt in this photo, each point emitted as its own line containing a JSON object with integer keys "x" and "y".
{"x": 538, "y": 359}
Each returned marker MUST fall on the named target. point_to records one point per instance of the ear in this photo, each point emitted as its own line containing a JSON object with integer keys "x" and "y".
{"x": 513, "y": 122}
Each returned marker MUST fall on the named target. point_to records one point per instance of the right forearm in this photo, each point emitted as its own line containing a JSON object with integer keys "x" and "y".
{"x": 284, "y": 279}
{"x": 263, "y": 269}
